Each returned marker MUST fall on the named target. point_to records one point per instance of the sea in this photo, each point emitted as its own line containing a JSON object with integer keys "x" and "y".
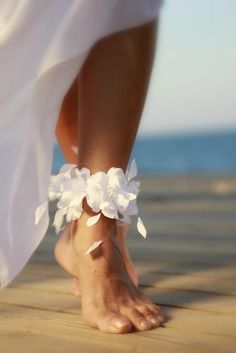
{"x": 211, "y": 153}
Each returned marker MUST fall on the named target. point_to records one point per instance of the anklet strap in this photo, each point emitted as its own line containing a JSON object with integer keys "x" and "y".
{"x": 113, "y": 194}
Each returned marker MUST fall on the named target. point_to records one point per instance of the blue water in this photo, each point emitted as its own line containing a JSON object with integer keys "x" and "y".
{"x": 212, "y": 153}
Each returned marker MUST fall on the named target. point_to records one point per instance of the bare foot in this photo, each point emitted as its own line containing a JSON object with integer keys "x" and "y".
{"x": 121, "y": 233}
{"x": 110, "y": 300}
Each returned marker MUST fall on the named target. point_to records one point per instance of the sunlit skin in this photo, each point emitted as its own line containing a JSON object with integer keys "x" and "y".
{"x": 111, "y": 89}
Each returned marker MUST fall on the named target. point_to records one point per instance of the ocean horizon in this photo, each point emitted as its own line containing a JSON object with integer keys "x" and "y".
{"x": 198, "y": 153}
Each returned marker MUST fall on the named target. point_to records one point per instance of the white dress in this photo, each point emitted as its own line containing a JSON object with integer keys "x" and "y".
{"x": 43, "y": 44}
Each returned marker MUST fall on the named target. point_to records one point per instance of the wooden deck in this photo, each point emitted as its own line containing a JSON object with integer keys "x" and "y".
{"x": 187, "y": 264}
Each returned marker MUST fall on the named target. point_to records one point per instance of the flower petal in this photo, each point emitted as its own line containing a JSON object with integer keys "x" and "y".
{"x": 122, "y": 201}
{"x": 110, "y": 212}
{"x": 66, "y": 168}
{"x": 92, "y": 220}
{"x": 132, "y": 196}
{"x": 132, "y": 170}
{"x": 40, "y": 210}
{"x": 93, "y": 247}
{"x": 141, "y": 228}
{"x": 58, "y": 220}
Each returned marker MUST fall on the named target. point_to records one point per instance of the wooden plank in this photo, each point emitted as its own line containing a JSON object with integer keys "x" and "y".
{"x": 66, "y": 328}
{"x": 17, "y": 339}
{"x": 66, "y": 302}
{"x": 35, "y": 271}
{"x": 160, "y": 247}
{"x": 187, "y": 282}
{"x": 219, "y": 185}
{"x": 198, "y": 321}
{"x": 172, "y": 244}
{"x": 192, "y": 300}
{"x": 179, "y": 318}
{"x": 69, "y": 328}
{"x": 45, "y": 300}
{"x": 190, "y": 206}
{"x": 174, "y": 253}
{"x": 54, "y": 285}
{"x": 148, "y": 276}
{"x": 184, "y": 268}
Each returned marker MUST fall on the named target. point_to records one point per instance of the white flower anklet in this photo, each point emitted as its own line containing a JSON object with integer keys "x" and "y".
{"x": 113, "y": 194}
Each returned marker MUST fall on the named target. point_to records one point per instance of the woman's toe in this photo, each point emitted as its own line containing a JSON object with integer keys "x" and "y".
{"x": 152, "y": 315}
{"x": 138, "y": 319}
{"x": 159, "y": 313}
{"x": 114, "y": 323}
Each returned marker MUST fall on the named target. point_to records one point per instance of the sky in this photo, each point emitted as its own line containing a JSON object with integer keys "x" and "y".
{"x": 193, "y": 82}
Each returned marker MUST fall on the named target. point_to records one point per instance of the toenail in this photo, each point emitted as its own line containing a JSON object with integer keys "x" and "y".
{"x": 154, "y": 320}
{"x": 118, "y": 323}
{"x": 144, "y": 324}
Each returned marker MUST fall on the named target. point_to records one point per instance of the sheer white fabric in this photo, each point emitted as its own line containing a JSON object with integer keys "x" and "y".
{"x": 43, "y": 44}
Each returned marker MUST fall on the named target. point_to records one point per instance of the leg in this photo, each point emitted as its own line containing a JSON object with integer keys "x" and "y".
{"x": 66, "y": 129}
{"x": 115, "y": 78}
{"x": 67, "y": 136}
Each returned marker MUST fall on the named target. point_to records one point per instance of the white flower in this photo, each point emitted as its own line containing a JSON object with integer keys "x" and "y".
{"x": 56, "y": 181}
{"x": 72, "y": 194}
{"x": 69, "y": 187}
{"x": 67, "y": 168}
{"x": 124, "y": 193}
{"x": 96, "y": 190}
{"x": 112, "y": 194}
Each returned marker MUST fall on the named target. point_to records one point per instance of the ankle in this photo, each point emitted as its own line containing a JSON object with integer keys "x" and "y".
{"x": 84, "y": 235}
{"x": 103, "y": 224}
